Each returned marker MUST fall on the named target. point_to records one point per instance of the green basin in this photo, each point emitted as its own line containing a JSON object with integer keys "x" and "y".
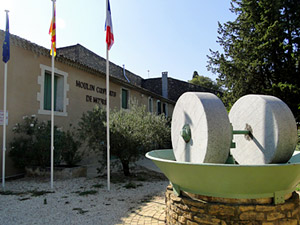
{"x": 229, "y": 180}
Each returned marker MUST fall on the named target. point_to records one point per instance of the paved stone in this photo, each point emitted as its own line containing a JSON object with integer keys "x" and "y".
{"x": 151, "y": 212}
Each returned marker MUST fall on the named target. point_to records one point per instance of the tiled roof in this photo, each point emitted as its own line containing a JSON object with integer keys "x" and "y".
{"x": 175, "y": 87}
{"x": 78, "y": 54}
{"x": 82, "y": 55}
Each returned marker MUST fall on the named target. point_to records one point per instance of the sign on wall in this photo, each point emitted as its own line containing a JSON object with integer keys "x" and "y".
{"x": 2, "y": 117}
{"x": 94, "y": 88}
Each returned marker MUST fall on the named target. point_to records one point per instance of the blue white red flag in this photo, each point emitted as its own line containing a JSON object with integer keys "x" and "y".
{"x": 109, "y": 27}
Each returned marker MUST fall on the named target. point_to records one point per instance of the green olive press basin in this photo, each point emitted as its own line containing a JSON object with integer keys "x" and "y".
{"x": 229, "y": 180}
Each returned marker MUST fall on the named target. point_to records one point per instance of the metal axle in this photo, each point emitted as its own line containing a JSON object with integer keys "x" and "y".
{"x": 186, "y": 133}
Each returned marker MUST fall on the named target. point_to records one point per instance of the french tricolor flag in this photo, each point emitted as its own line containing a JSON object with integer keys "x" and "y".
{"x": 109, "y": 27}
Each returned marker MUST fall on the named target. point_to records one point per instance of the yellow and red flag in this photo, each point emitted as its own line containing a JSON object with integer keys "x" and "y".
{"x": 52, "y": 32}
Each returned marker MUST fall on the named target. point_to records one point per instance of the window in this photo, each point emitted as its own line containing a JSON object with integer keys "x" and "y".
{"x": 150, "y": 104}
{"x": 125, "y": 98}
{"x": 60, "y": 91}
{"x": 165, "y": 109}
{"x": 158, "y": 107}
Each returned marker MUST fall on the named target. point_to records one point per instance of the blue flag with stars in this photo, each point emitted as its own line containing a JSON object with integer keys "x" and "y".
{"x": 6, "y": 50}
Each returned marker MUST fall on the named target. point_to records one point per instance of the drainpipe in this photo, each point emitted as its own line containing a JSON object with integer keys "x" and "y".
{"x": 124, "y": 72}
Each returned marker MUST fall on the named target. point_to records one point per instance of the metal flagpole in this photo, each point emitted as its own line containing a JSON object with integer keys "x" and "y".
{"x": 107, "y": 120}
{"x": 4, "y": 127}
{"x": 107, "y": 114}
{"x": 4, "y": 118}
{"x": 52, "y": 105}
{"x": 52, "y": 117}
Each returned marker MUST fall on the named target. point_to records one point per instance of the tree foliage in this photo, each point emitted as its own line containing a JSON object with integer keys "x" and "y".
{"x": 260, "y": 51}
{"x": 132, "y": 133}
{"x": 204, "y": 82}
{"x": 31, "y": 144}
{"x": 92, "y": 129}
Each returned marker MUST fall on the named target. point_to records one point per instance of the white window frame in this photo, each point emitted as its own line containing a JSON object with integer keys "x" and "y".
{"x": 64, "y": 85}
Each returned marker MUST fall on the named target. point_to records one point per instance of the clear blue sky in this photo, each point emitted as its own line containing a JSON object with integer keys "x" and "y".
{"x": 154, "y": 35}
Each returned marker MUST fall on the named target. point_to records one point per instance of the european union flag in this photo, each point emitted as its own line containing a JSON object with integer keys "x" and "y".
{"x": 6, "y": 50}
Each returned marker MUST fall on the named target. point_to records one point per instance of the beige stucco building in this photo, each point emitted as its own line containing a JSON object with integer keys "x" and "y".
{"x": 80, "y": 83}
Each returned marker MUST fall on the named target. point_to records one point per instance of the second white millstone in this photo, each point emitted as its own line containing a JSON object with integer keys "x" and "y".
{"x": 273, "y": 129}
{"x": 207, "y": 118}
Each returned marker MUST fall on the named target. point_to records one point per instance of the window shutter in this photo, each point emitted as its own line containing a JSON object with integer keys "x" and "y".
{"x": 47, "y": 91}
{"x": 124, "y": 99}
{"x": 158, "y": 107}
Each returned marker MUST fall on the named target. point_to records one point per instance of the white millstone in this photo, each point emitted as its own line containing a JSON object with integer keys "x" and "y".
{"x": 273, "y": 129}
{"x": 210, "y": 128}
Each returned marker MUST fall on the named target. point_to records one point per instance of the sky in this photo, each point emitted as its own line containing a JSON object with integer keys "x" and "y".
{"x": 151, "y": 36}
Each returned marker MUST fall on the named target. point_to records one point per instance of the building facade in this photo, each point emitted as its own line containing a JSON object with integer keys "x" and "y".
{"x": 80, "y": 84}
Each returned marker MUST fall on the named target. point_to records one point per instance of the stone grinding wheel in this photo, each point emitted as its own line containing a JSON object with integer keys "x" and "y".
{"x": 209, "y": 125}
{"x": 273, "y": 129}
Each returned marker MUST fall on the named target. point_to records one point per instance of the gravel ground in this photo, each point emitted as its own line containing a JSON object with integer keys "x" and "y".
{"x": 75, "y": 201}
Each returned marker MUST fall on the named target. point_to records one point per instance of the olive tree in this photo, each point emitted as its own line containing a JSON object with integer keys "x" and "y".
{"x": 132, "y": 133}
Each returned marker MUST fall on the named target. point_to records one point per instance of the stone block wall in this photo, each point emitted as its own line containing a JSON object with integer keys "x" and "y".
{"x": 185, "y": 210}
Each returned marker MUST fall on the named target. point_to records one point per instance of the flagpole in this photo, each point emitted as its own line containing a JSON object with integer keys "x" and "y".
{"x": 107, "y": 121}
{"x": 107, "y": 114}
{"x": 4, "y": 126}
{"x": 4, "y": 115}
{"x": 52, "y": 106}
{"x": 52, "y": 117}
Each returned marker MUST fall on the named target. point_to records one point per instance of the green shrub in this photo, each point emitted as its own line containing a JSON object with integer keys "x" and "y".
{"x": 135, "y": 132}
{"x": 132, "y": 133}
{"x": 92, "y": 129}
{"x": 32, "y": 142}
{"x": 70, "y": 148}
